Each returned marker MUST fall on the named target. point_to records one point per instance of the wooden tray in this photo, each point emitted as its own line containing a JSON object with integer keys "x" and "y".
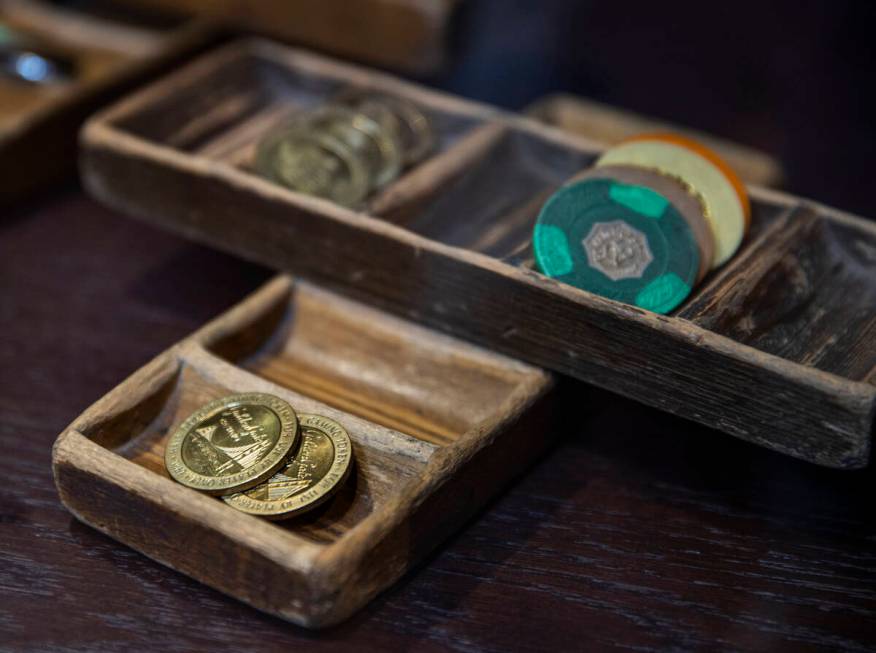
{"x": 408, "y": 35}
{"x": 438, "y": 427}
{"x": 38, "y": 125}
{"x": 777, "y": 347}
{"x": 609, "y": 125}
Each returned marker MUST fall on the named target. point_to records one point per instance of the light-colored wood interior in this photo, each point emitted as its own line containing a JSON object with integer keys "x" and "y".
{"x": 368, "y": 364}
{"x": 400, "y": 391}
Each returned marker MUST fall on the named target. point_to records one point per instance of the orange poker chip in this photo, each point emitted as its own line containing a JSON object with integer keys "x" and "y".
{"x": 709, "y": 155}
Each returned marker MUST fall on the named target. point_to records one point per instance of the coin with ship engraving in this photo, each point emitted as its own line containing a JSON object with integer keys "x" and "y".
{"x": 315, "y": 163}
{"x": 314, "y": 473}
{"x": 232, "y": 443}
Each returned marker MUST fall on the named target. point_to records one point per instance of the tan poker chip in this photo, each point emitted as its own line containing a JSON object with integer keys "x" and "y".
{"x": 724, "y": 200}
{"x": 685, "y": 203}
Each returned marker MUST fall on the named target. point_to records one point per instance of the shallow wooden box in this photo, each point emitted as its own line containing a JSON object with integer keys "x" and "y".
{"x": 438, "y": 427}
{"x": 38, "y": 125}
{"x": 777, "y": 347}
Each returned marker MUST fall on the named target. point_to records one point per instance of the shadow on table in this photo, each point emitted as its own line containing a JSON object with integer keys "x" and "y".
{"x": 197, "y": 282}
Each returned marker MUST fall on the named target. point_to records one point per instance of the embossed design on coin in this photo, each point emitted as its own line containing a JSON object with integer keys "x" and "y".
{"x": 413, "y": 126}
{"x": 316, "y": 163}
{"x": 617, "y": 250}
{"x": 312, "y": 475}
{"x": 232, "y": 443}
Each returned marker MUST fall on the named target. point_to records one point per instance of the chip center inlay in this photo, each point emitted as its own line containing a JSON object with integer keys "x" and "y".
{"x": 617, "y": 250}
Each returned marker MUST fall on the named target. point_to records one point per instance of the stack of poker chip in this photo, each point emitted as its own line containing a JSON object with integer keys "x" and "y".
{"x": 646, "y": 224}
{"x": 344, "y": 150}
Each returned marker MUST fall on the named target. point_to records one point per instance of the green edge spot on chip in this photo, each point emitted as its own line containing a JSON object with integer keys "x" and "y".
{"x": 639, "y": 199}
{"x": 663, "y": 294}
{"x": 552, "y": 250}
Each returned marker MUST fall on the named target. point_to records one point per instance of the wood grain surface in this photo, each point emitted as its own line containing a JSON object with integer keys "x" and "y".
{"x": 640, "y": 530}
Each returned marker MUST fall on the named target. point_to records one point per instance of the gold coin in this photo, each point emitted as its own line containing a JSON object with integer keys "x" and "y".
{"x": 316, "y": 471}
{"x": 379, "y": 147}
{"x": 416, "y": 134}
{"x": 232, "y": 443}
{"x": 314, "y": 163}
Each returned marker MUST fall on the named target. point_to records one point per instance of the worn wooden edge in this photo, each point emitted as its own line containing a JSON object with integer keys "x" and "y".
{"x": 436, "y": 171}
{"x": 72, "y": 447}
{"x": 335, "y": 596}
{"x": 386, "y": 545}
{"x": 218, "y": 370}
{"x": 320, "y": 584}
{"x": 280, "y": 289}
{"x": 571, "y": 113}
{"x": 283, "y": 547}
{"x": 255, "y": 553}
{"x": 100, "y": 136}
{"x": 295, "y": 59}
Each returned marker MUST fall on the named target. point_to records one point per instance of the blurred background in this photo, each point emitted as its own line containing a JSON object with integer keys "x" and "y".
{"x": 794, "y": 79}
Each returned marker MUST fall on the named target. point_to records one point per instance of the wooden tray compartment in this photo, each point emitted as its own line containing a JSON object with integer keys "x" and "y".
{"x": 447, "y": 245}
{"x": 114, "y": 49}
{"x": 438, "y": 427}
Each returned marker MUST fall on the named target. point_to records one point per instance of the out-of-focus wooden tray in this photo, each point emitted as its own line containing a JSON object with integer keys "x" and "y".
{"x": 406, "y": 35}
{"x": 605, "y": 124}
{"x": 438, "y": 428}
{"x": 777, "y": 347}
{"x": 39, "y": 124}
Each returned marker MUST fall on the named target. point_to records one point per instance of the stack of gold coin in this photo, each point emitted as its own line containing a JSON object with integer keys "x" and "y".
{"x": 262, "y": 458}
{"x": 346, "y": 149}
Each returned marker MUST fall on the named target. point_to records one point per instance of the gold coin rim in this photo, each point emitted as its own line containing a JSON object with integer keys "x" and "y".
{"x": 359, "y": 175}
{"x": 340, "y": 469}
{"x": 248, "y": 478}
{"x": 387, "y": 144}
{"x": 419, "y": 125}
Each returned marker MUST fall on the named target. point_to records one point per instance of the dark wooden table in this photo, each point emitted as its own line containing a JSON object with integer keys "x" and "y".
{"x": 639, "y": 531}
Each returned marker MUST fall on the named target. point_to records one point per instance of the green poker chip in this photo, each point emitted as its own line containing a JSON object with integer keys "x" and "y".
{"x": 620, "y": 241}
